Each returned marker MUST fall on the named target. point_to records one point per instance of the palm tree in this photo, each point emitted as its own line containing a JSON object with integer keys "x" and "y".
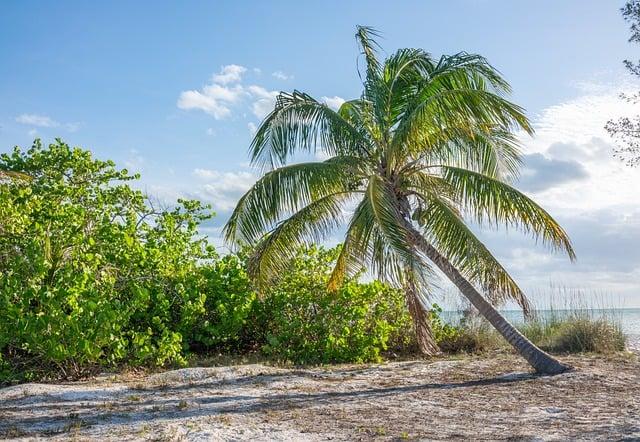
{"x": 428, "y": 147}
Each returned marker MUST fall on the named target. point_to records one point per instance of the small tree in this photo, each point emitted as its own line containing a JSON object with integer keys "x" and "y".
{"x": 626, "y": 130}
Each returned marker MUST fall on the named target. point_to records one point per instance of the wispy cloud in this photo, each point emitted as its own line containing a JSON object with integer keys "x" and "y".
{"x": 570, "y": 169}
{"x": 134, "y": 161}
{"x": 223, "y": 189}
{"x": 231, "y": 73}
{"x": 214, "y": 99}
{"x": 37, "y": 120}
{"x": 281, "y": 75}
{"x": 264, "y": 100}
{"x": 217, "y": 97}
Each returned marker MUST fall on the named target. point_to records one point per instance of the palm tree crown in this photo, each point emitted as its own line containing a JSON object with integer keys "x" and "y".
{"x": 428, "y": 148}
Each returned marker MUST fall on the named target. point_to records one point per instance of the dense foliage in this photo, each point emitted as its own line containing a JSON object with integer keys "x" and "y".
{"x": 90, "y": 270}
{"x": 94, "y": 274}
{"x": 306, "y": 323}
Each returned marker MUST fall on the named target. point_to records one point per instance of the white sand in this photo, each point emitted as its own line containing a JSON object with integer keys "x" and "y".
{"x": 486, "y": 398}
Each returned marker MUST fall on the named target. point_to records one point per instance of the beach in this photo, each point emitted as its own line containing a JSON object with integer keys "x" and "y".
{"x": 480, "y": 398}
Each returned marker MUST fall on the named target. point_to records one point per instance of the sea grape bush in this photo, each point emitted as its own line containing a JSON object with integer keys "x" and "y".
{"x": 92, "y": 273}
{"x": 225, "y": 322}
{"x": 305, "y": 323}
{"x": 90, "y": 270}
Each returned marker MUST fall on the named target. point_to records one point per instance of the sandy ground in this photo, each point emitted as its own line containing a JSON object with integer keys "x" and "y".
{"x": 473, "y": 398}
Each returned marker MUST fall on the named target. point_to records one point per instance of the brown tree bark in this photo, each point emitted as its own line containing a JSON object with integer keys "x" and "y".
{"x": 541, "y": 361}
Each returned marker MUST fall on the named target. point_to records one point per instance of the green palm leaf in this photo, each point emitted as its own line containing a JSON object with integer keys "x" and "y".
{"x": 447, "y": 231}
{"x": 491, "y": 201}
{"x": 286, "y": 190}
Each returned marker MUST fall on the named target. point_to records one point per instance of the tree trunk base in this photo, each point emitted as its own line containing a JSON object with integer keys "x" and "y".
{"x": 548, "y": 365}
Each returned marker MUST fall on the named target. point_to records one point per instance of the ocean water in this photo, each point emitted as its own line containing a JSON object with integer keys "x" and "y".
{"x": 628, "y": 318}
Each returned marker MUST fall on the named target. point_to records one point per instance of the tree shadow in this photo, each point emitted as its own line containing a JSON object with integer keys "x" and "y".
{"x": 205, "y": 399}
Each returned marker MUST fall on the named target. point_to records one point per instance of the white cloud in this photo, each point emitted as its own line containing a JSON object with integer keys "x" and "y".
{"x": 205, "y": 173}
{"x": 264, "y": 100}
{"x": 571, "y": 172}
{"x": 281, "y": 75}
{"x": 220, "y": 97}
{"x": 214, "y": 99}
{"x": 223, "y": 189}
{"x": 72, "y": 127}
{"x": 574, "y": 131}
{"x": 252, "y": 127}
{"x": 134, "y": 161}
{"x": 333, "y": 102}
{"x": 231, "y": 73}
{"x": 36, "y": 120}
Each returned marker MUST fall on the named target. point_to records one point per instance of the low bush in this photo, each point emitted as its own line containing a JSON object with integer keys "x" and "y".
{"x": 304, "y": 323}
{"x": 93, "y": 275}
{"x": 91, "y": 272}
{"x": 226, "y": 321}
{"x": 472, "y": 334}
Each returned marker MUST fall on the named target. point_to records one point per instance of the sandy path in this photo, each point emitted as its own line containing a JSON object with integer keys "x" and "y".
{"x": 490, "y": 398}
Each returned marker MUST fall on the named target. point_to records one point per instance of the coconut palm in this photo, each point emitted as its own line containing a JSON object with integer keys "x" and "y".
{"x": 426, "y": 151}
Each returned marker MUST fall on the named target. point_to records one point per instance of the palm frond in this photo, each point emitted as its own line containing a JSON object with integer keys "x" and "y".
{"x": 386, "y": 213}
{"x": 457, "y": 99}
{"x": 365, "y": 35}
{"x": 309, "y": 225}
{"x": 447, "y": 231}
{"x": 494, "y": 152}
{"x": 299, "y": 123}
{"x": 489, "y": 200}
{"x": 286, "y": 190}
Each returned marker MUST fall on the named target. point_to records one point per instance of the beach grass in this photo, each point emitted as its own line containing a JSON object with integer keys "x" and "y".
{"x": 571, "y": 321}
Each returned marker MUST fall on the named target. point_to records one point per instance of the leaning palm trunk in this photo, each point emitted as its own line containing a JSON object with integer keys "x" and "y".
{"x": 541, "y": 361}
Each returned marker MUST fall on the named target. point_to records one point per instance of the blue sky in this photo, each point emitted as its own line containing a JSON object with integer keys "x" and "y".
{"x": 136, "y": 82}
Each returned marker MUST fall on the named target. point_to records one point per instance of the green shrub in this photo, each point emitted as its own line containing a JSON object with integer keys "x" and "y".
{"x": 471, "y": 335}
{"x": 226, "y": 322}
{"x": 304, "y": 323}
{"x": 91, "y": 273}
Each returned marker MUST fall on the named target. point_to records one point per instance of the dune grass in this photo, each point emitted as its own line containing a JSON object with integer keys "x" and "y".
{"x": 574, "y": 321}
